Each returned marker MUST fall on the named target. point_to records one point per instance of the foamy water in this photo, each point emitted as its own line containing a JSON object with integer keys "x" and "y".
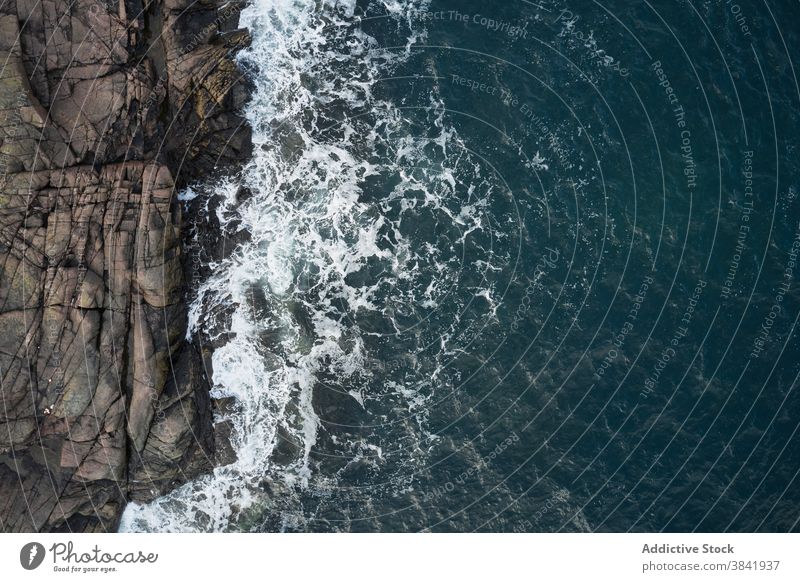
{"x": 344, "y": 273}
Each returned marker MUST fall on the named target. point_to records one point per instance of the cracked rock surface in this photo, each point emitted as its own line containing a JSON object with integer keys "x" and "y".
{"x": 105, "y": 109}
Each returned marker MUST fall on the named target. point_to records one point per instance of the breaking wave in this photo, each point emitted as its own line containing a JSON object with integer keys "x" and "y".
{"x": 354, "y": 289}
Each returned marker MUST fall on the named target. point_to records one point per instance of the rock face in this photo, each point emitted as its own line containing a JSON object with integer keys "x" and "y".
{"x": 105, "y": 108}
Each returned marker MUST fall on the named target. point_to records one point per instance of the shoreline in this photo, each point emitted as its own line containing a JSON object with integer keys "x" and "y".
{"x": 101, "y": 124}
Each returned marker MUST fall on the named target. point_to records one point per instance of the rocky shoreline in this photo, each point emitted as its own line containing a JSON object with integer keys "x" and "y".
{"x": 106, "y": 110}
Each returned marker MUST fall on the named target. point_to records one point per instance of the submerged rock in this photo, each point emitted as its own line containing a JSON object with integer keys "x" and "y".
{"x": 104, "y": 110}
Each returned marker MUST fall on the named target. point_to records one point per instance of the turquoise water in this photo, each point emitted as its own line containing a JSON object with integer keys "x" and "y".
{"x": 511, "y": 266}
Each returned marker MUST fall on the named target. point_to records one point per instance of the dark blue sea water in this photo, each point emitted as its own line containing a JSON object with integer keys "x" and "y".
{"x": 509, "y": 266}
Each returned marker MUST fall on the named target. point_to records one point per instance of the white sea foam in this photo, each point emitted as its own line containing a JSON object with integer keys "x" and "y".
{"x": 310, "y": 231}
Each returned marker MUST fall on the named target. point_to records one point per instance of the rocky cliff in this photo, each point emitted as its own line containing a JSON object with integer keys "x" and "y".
{"x": 105, "y": 109}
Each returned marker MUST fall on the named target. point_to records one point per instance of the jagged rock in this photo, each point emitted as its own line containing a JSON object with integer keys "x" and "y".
{"x": 104, "y": 110}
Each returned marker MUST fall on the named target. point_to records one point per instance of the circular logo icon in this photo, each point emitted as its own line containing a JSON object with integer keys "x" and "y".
{"x": 31, "y": 555}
